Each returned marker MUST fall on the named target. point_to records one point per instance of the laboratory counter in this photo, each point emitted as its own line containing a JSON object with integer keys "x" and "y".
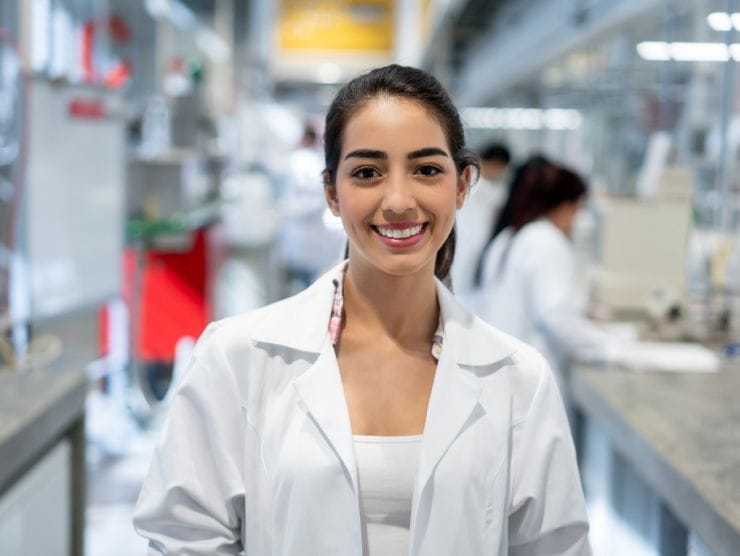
{"x": 41, "y": 412}
{"x": 681, "y": 434}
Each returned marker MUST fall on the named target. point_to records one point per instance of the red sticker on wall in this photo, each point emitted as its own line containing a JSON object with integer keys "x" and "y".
{"x": 87, "y": 108}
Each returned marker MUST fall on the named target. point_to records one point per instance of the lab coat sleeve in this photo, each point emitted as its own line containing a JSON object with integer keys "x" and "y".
{"x": 548, "y": 513}
{"x": 192, "y": 499}
{"x": 552, "y": 277}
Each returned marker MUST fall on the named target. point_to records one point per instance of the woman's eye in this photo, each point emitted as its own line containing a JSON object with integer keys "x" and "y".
{"x": 365, "y": 173}
{"x": 428, "y": 170}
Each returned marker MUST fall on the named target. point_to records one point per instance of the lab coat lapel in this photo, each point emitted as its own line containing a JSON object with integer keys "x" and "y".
{"x": 472, "y": 352}
{"x": 320, "y": 388}
{"x": 301, "y": 323}
{"x": 454, "y": 396}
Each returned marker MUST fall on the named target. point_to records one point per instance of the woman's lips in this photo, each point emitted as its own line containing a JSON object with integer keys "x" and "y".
{"x": 400, "y": 242}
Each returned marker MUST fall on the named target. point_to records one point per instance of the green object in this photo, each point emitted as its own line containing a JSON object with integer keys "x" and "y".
{"x": 196, "y": 70}
{"x": 143, "y": 229}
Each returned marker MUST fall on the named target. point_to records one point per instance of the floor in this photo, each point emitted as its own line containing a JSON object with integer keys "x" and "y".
{"x": 118, "y": 458}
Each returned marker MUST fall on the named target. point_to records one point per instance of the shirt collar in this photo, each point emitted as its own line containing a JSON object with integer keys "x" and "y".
{"x": 302, "y": 323}
{"x": 337, "y": 317}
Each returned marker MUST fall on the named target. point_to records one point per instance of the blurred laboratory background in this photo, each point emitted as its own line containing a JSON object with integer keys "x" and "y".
{"x": 160, "y": 168}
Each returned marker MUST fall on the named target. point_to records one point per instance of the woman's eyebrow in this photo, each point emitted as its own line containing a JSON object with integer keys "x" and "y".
{"x": 428, "y": 151}
{"x": 367, "y": 153}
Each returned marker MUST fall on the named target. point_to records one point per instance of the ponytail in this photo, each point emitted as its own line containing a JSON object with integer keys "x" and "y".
{"x": 445, "y": 256}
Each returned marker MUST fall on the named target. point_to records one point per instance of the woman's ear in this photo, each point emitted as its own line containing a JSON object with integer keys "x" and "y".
{"x": 330, "y": 192}
{"x": 464, "y": 181}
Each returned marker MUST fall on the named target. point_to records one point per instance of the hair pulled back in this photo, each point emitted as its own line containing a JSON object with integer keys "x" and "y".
{"x": 411, "y": 84}
{"x": 537, "y": 187}
{"x": 543, "y": 187}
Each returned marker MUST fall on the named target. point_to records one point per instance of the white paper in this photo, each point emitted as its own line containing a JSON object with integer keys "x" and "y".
{"x": 671, "y": 357}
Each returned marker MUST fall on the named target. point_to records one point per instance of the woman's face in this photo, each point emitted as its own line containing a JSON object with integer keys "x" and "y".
{"x": 397, "y": 187}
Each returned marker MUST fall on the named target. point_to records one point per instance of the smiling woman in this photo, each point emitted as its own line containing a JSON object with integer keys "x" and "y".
{"x": 371, "y": 414}
{"x": 396, "y": 187}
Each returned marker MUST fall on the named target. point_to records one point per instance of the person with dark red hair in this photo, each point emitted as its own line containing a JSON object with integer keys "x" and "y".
{"x": 529, "y": 273}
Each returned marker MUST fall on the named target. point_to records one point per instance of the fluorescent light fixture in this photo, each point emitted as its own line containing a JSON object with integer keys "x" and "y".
{"x": 687, "y": 51}
{"x": 522, "y": 118}
{"x": 653, "y": 50}
{"x": 699, "y": 51}
{"x": 562, "y": 118}
{"x": 722, "y": 21}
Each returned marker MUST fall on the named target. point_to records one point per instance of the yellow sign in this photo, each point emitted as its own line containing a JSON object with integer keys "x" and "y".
{"x": 338, "y": 25}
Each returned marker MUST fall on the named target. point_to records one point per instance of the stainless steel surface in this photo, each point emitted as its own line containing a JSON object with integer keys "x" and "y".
{"x": 681, "y": 432}
{"x": 37, "y": 409}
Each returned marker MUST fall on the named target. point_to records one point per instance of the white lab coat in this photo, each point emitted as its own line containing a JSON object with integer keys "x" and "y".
{"x": 257, "y": 453}
{"x": 473, "y": 226}
{"x": 528, "y": 291}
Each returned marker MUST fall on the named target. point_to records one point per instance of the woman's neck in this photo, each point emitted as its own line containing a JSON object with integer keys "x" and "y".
{"x": 402, "y": 308}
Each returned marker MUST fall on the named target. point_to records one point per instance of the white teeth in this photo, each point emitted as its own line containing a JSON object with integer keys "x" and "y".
{"x": 399, "y": 234}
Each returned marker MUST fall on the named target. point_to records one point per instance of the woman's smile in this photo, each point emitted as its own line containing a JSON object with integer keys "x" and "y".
{"x": 401, "y": 235}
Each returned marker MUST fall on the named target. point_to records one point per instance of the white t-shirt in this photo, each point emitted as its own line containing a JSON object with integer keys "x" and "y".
{"x": 386, "y": 467}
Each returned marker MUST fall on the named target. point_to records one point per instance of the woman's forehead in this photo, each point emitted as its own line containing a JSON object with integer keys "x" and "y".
{"x": 393, "y": 123}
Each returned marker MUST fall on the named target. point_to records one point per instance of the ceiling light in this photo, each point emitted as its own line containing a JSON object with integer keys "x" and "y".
{"x": 653, "y": 50}
{"x": 723, "y": 21}
{"x": 720, "y": 21}
{"x": 687, "y": 51}
{"x": 699, "y": 51}
{"x": 521, "y": 118}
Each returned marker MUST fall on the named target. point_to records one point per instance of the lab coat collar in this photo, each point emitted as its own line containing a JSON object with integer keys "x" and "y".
{"x": 471, "y": 351}
{"x": 301, "y": 323}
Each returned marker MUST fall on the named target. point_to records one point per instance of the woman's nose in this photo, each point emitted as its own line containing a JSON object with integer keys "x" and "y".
{"x": 398, "y": 196}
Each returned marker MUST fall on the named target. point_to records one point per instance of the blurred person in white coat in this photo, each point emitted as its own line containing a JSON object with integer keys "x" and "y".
{"x": 371, "y": 414}
{"x": 529, "y": 270}
{"x": 311, "y": 240}
{"x": 476, "y": 220}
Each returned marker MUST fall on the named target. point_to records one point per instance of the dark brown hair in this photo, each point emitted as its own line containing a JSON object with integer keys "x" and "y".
{"x": 409, "y": 83}
{"x": 543, "y": 187}
{"x": 537, "y": 187}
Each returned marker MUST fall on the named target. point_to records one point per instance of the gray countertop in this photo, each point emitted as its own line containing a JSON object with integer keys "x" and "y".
{"x": 36, "y": 409}
{"x": 681, "y": 431}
